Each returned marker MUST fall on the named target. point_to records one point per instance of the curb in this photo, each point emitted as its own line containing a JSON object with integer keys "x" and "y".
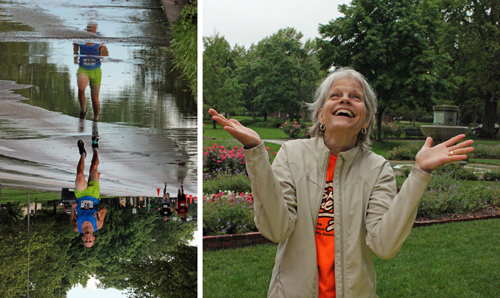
{"x": 442, "y": 221}
{"x": 233, "y": 241}
{"x": 242, "y": 240}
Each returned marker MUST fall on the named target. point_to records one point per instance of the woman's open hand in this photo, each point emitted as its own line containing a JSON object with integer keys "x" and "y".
{"x": 430, "y": 158}
{"x": 248, "y": 137}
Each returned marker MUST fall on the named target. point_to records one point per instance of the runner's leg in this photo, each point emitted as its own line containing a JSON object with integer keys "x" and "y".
{"x": 94, "y": 93}
{"x": 83, "y": 81}
{"x": 93, "y": 174}
{"x": 80, "y": 183}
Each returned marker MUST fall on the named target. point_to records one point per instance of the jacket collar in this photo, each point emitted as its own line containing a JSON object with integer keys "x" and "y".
{"x": 348, "y": 156}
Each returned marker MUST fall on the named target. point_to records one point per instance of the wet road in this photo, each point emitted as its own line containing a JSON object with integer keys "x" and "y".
{"x": 147, "y": 122}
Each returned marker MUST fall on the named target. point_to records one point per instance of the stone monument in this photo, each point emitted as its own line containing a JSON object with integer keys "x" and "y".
{"x": 445, "y": 124}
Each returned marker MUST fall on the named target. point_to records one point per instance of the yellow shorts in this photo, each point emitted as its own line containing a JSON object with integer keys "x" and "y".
{"x": 95, "y": 75}
{"x": 92, "y": 190}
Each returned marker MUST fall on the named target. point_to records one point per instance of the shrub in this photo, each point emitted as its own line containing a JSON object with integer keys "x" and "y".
{"x": 404, "y": 152}
{"x": 184, "y": 44}
{"x": 260, "y": 123}
{"x": 219, "y": 159}
{"x": 492, "y": 175}
{"x": 215, "y": 182}
{"x": 228, "y": 213}
{"x": 392, "y": 130}
{"x": 485, "y": 151}
{"x": 293, "y": 131}
{"x": 457, "y": 171}
{"x": 458, "y": 199}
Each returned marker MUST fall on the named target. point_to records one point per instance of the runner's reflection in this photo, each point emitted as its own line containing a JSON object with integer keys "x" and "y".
{"x": 165, "y": 209}
{"x": 88, "y": 57}
{"x": 86, "y": 216}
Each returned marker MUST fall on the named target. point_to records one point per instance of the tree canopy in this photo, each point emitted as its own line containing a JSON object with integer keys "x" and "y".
{"x": 392, "y": 43}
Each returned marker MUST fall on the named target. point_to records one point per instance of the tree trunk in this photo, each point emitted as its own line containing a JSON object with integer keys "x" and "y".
{"x": 265, "y": 117}
{"x": 489, "y": 117}
{"x": 379, "y": 116}
{"x": 214, "y": 124}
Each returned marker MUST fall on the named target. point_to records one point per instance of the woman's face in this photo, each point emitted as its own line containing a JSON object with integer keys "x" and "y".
{"x": 344, "y": 108}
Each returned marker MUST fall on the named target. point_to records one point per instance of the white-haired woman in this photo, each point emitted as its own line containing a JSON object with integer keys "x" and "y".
{"x": 329, "y": 201}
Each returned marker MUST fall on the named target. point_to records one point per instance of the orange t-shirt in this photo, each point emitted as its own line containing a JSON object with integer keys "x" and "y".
{"x": 325, "y": 244}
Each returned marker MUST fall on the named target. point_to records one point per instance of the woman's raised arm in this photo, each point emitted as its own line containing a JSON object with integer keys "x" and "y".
{"x": 248, "y": 137}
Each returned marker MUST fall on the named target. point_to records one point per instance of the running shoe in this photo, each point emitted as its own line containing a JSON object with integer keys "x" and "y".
{"x": 83, "y": 114}
{"x": 95, "y": 142}
{"x": 81, "y": 147}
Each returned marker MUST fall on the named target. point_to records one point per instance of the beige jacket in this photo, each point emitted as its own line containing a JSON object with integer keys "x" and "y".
{"x": 369, "y": 216}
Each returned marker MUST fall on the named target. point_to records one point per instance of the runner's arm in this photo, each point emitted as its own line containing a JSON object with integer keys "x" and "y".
{"x": 73, "y": 217}
{"x": 101, "y": 214}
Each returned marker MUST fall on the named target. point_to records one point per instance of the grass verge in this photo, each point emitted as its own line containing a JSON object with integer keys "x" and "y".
{"x": 449, "y": 260}
{"x": 21, "y": 195}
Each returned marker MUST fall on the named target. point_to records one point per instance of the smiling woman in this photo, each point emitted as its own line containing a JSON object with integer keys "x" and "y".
{"x": 331, "y": 193}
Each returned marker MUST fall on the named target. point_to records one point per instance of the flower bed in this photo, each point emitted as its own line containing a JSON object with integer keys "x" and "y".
{"x": 218, "y": 159}
{"x": 228, "y": 213}
{"x": 450, "y": 194}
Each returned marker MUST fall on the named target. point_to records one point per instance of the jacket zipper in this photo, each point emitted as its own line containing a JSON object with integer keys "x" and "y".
{"x": 317, "y": 209}
{"x": 342, "y": 253}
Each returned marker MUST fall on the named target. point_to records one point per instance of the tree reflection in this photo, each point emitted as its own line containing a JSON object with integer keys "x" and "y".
{"x": 135, "y": 252}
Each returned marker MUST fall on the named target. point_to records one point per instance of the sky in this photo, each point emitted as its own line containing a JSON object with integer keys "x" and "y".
{"x": 244, "y": 22}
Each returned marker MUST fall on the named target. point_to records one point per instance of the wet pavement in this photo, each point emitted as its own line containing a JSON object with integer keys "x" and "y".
{"x": 147, "y": 120}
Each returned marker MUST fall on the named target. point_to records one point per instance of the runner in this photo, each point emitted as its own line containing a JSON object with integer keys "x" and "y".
{"x": 88, "y": 218}
{"x": 182, "y": 207}
{"x": 165, "y": 210}
{"x": 89, "y": 71}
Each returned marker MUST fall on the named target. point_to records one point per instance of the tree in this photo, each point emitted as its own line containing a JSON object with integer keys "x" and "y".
{"x": 221, "y": 89}
{"x": 393, "y": 44}
{"x": 473, "y": 38}
{"x": 286, "y": 73}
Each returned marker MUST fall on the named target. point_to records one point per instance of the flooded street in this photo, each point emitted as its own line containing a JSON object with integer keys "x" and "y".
{"x": 101, "y": 72}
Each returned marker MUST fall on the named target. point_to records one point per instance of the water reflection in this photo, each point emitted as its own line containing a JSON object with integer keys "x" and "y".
{"x": 135, "y": 251}
{"x": 88, "y": 57}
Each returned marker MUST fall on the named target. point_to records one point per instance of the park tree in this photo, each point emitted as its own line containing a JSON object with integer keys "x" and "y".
{"x": 221, "y": 89}
{"x": 286, "y": 73}
{"x": 472, "y": 36}
{"x": 394, "y": 45}
{"x": 247, "y": 73}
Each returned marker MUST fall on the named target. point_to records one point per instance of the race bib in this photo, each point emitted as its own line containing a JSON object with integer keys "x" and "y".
{"x": 86, "y": 205}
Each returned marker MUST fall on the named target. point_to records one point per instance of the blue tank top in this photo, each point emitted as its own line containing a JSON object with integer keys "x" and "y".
{"x": 88, "y": 56}
{"x": 86, "y": 208}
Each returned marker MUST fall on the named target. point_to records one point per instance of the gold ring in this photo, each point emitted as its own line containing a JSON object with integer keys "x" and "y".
{"x": 451, "y": 153}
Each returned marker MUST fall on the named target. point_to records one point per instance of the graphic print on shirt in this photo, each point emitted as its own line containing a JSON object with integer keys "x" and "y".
{"x": 326, "y": 217}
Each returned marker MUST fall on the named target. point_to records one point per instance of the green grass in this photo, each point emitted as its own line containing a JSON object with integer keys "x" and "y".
{"x": 383, "y": 148}
{"x": 243, "y": 272}
{"x": 21, "y": 195}
{"x": 448, "y": 260}
{"x": 264, "y": 133}
{"x": 222, "y": 138}
{"x": 485, "y": 161}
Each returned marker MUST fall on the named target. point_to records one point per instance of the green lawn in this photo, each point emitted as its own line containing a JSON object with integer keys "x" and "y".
{"x": 449, "y": 260}
{"x": 21, "y": 195}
